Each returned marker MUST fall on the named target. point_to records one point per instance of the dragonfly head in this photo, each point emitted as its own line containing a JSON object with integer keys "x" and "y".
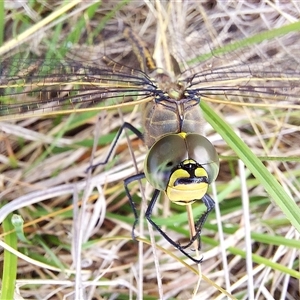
{"x": 183, "y": 165}
{"x": 188, "y": 182}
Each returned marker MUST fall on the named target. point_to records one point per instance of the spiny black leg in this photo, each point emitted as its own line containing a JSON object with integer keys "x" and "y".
{"x": 116, "y": 139}
{"x": 127, "y": 181}
{"x": 172, "y": 242}
{"x": 210, "y": 204}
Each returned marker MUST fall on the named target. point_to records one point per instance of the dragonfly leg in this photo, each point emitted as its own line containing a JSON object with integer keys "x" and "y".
{"x": 116, "y": 139}
{"x": 172, "y": 242}
{"x": 127, "y": 181}
{"x": 210, "y": 204}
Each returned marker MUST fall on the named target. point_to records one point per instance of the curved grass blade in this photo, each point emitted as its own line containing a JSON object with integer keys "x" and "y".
{"x": 9, "y": 261}
{"x": 247, "y": 42}
{"x": 271, "y": 185}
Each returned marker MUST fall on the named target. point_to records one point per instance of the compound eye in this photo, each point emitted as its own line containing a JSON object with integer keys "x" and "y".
{"x": 204, "y": 153}
{"x": 163, "y": 156}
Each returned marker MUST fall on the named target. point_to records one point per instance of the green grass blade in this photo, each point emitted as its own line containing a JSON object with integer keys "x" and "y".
{"x": 247, "y": 42}
{"x": 33, "y": 29}
{"x": 271, "y": 185}
{"x": 107, "y": 17}
{"x": 9, "y": 261}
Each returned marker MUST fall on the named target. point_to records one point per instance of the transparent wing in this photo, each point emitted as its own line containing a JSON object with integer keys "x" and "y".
{"x": 43, "y": 87}
{"x": 248, "y": 85}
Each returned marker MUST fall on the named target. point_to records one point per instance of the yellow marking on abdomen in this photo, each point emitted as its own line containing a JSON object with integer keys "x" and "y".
{"x": 140, "y": 50}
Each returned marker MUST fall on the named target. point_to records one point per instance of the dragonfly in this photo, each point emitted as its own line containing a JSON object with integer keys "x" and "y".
{"x": 181, "y": 162}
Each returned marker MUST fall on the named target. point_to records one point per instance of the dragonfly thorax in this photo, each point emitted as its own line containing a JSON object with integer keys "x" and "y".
{"x": 166, "y": 115}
